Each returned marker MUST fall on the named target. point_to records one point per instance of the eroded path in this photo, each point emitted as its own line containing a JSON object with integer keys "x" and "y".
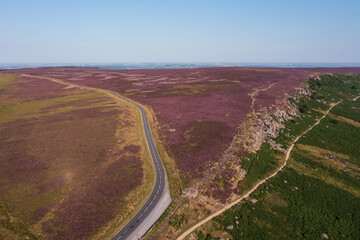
{"x": 288, "y": 152}
{"x": 256, "y": 92}
{"x": 159, "y": 199}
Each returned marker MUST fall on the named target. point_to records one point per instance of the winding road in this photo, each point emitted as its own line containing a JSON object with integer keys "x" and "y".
{"x": 159, "y": 199}
{"x": 160, "y": 183}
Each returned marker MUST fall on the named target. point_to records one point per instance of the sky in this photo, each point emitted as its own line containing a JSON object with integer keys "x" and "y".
{"x": 109, "y": 31}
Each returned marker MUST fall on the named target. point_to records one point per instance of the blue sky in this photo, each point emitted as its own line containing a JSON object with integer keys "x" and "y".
{"x": 79, "y": 31}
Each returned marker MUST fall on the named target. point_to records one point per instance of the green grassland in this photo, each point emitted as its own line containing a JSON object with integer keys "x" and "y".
{"x": 317, "y": 194}
{"x": 349, "y": 109}
{"x": 330, "y": 89}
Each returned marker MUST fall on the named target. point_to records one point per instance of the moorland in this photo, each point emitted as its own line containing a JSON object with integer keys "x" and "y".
{"x": 206, "y": 125}
{"x": 317, "y": 193}
{"x": 62, "y": 149}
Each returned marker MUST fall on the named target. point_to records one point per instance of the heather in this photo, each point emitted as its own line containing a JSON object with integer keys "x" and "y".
{"x": 180, "y": 98}
{"x": 70, "y": 160}
{"x": 317, "y": 194}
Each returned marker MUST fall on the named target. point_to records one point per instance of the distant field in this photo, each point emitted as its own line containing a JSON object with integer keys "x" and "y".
{"x": 317, "y": 195}
{"x": 72, "y": 162}
{"x": 198, "y": 109}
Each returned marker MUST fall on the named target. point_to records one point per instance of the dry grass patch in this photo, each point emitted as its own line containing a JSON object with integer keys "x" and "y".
{"x": 274, "y": 199}
{"x": 319, "y": 152}
{"x": 337, "y": 161}
{"x": 322, "y": 175}
{"x": 344, "y": 119}
{"x": 5, "y": 80}
{"x": 323, "y": 112}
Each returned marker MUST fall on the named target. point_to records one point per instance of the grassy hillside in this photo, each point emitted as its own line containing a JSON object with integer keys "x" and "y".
{"x": 317, "y": 195}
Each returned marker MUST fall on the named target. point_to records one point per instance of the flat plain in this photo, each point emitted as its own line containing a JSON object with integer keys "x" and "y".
{"x": 72, "y": 161}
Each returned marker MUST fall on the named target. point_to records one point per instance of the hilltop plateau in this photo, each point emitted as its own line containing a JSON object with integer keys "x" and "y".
{"x": 218, "y": 132}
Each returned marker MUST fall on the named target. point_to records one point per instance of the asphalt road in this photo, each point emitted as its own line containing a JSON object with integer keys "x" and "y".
{"x": 160, "y": 183}
{"x": 158, "y": 193}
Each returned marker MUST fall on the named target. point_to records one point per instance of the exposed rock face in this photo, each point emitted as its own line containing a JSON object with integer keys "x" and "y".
{"x": 268, "y": 123}
{"x": 249, "y": 136}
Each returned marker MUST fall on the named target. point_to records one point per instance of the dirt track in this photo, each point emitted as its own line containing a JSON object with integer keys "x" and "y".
{"x": 256, "y": 92}
{"x": 288, "y": 152}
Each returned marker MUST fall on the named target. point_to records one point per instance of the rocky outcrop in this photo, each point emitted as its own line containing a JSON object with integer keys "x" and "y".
{"x": 267, "y": 123}
{"x": 249, "y": 136}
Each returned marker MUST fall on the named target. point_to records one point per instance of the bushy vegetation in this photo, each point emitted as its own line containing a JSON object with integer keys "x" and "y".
{"x": 335, "y": 87}
{"x": 330, "y": 89}
{"x": 259, "y": 165}
{"x": 335, "y": 135}
{"x": 349, "y": 109}
{"x": 292, "y": 206}
{"x": 317, "y": 194}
